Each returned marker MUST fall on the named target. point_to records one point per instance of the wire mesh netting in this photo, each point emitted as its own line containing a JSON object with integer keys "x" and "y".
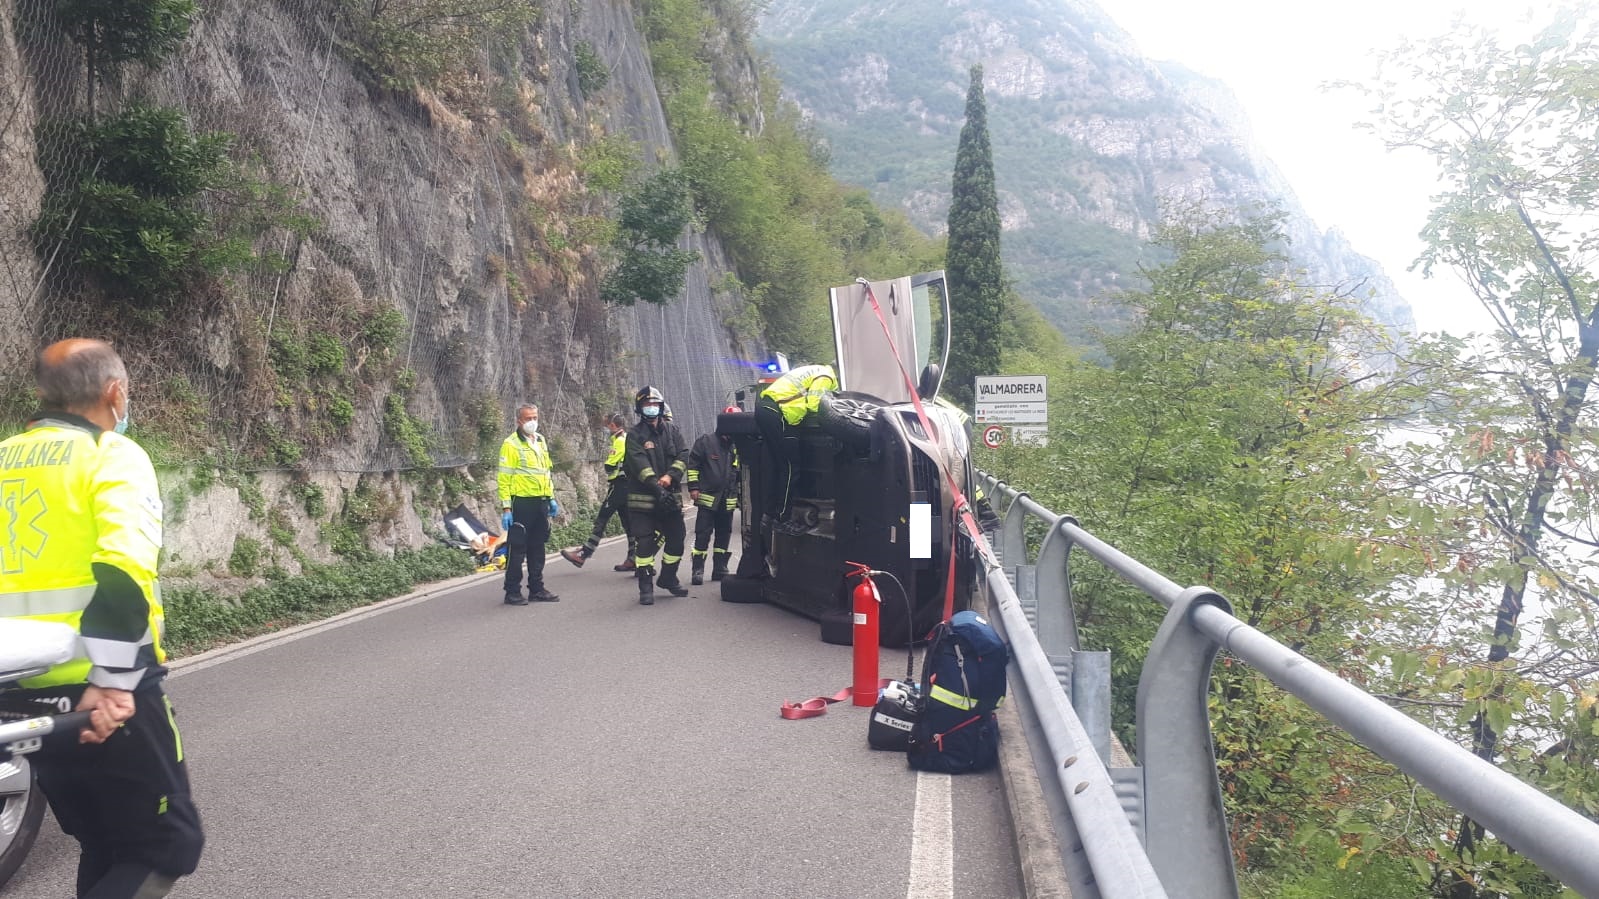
{"x": 307, "y": 268}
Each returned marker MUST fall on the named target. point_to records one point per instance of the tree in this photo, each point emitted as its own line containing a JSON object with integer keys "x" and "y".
{"x": 1512, "y": 130}
{"x": 1229, "y": 443}
{"x": 649, "y": 266}
{"x": 113, "y": 33}
{"x": 124, "y": 210}
{"x": 972, "y": 268}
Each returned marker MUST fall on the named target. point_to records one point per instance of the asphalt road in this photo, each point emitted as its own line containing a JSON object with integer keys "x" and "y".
{"x": 449, "y": 745}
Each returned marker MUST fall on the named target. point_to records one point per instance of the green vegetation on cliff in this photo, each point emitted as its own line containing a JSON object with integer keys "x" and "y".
{"x": 760, "y": 180}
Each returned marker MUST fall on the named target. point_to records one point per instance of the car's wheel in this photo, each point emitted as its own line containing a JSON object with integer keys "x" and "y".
{"x": 21, "y": 811}
{"x": 847, "y": 417}
{"x": 742, "y": 589}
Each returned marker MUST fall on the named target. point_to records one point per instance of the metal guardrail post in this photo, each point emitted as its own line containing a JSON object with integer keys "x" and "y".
{"x": 1090, "y": 688}
{"x": 1013, "y": 532}
{"x": 1057, "y": 617}
{"x": 1184, "y": 819}
{"x": 1117, "y": 864}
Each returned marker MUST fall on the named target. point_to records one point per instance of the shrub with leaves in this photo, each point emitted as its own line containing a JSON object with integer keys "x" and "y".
{"x": 416, "y": 41}
{"x": 650, "y": 267}
{"x": 113, "y": 33}
{"x": 123, "y": 211}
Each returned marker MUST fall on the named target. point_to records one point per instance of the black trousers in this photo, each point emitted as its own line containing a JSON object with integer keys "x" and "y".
{"x": 642, "y": 526}
{"x": 712, "y": 521}
{"x": 779, "y": 464}
{"x": 126, "y": 800}
{"x": 615, "y": 503}
{"x": 530, "y": 530}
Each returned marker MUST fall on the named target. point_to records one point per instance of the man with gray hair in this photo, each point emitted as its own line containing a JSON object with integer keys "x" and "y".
{"x": 80, "y": 535}
{"x": 527, "y": 500}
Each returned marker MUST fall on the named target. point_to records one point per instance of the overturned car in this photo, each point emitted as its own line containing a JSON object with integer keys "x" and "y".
{"x": 870, "y": 483}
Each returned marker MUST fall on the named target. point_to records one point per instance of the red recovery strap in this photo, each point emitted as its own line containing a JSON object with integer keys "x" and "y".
{"x": 962, "y": 508}
{"x": 816, "y": 706}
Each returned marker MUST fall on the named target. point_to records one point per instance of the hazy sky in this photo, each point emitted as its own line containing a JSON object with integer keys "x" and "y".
{"x": 1275, "y": 56}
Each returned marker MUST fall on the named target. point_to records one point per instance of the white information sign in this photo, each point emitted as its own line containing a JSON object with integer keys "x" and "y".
{"x": 1014, "y": 400}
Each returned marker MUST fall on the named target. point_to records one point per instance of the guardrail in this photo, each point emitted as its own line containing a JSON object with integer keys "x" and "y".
{"x": 1160, "y": 827}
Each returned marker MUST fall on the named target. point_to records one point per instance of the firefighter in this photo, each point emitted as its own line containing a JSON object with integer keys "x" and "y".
{"x": 713, "y": 487}
{"x": 654, "y": 461}
{"x": 82, "y": 548}
{"x": 527, "y": 501}
{"x": 788, "y": 402}
{"x": 615, "y": 498}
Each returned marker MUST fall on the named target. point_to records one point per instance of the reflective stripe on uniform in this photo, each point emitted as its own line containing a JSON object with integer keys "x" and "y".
{"x": 115, "y": 653}
{"x": 951, "y": 698}
{"x": 532, "y": 472}
{"x": 61, "y": 601}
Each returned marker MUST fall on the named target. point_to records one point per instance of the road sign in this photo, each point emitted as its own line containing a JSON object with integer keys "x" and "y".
{"x": 1019, "y": 402}
{"x": 993, "y": 436}
{"x": 1029, "y": 435}
{"x": 1012, "y": 399}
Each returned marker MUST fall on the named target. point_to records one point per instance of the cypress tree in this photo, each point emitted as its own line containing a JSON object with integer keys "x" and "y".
{"x": 972, "y": 267}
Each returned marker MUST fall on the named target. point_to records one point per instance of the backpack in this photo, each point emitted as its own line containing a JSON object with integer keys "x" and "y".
{"x": 963, "y": 682}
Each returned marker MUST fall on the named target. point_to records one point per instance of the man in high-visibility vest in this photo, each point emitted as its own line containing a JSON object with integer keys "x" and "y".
{"x": 787, "y": 403}
{"x": 527, "y": 501}
{"x": 80, "y": 534}
{"x": 713, "y": 486}
{"x": 615, "y": 498}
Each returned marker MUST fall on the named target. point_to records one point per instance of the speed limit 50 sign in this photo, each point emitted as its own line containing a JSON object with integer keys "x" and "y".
{"x": 993, "y": 436}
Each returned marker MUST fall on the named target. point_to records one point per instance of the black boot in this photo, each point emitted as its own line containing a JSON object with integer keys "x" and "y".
{"x": 697, "y": 575}
{"x": 668, "y": 579}
{"x": 719, "y": 566}
{"x": 646, "y": 586}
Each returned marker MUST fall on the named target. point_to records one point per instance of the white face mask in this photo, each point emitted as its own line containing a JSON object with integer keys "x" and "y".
{"x": 530, "y": 427}
{"x": 127, "y": 414}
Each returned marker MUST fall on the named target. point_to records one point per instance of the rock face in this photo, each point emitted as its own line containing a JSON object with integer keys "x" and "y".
{"x": 454, "y": 207}
{"x": 1091, "y": 141}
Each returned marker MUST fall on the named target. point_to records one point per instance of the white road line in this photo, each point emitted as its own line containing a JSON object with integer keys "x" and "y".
{"x": 228, "y": 653}
{"x": 932, "y": 839}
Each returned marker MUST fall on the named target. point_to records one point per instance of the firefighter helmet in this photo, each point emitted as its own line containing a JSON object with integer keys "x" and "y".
{"x": 648, "y": 396}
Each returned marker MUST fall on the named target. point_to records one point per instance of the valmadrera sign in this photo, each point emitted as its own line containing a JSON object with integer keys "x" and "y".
{"x": 1019, "y": 403}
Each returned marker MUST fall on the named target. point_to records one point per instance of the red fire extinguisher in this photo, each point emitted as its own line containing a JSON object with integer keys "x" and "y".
{"x": 867, "y": 601}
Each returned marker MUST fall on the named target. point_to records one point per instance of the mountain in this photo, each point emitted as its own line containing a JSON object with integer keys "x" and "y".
{"x": 1091, "y": 140}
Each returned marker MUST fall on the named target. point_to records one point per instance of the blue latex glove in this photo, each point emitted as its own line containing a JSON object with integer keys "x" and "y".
{"x": 555, "y": 507}
{"x": 505, "y": 520}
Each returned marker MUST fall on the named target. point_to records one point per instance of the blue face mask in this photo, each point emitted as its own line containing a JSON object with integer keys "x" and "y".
{"x": 127, "y": 414}
{"x": 652, "y": 411}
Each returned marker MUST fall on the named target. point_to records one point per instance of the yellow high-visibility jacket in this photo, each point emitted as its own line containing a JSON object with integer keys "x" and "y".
{"x": 798, "y": 393}
{"x": 613, "y": 462}
{"x": 80, "y": 533}
{"x": 524, "y": 468}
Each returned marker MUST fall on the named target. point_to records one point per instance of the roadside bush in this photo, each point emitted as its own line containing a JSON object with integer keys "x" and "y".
{"x": 199, "y": 619}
